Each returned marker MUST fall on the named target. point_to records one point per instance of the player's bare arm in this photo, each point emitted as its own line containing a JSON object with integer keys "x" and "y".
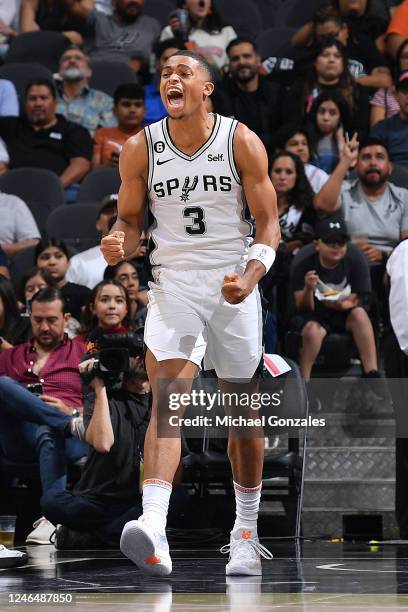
{"x": 252, "y": 162}
{"x": 125, "y": 234}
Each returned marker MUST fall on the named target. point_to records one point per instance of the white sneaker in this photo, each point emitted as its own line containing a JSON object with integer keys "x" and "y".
{"x": 11, "y": 558}
{"x": 146, "y": 547}
{"x": 41, "y": 533}
{"x": 245, "y": 554}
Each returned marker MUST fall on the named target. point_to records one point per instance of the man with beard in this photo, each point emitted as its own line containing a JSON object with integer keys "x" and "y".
{"x": 120, "y": 36}
{"x": 78, "y": 102}
{"x": 375, "y": 210}
{"x": 40, "y": 385}
{"x": 250, "y": 98}
{"x": 394, "y": 130}
{"x": 43, "y": 139}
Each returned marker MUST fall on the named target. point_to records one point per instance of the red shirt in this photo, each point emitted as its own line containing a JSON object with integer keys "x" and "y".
{"x": 59, "y": 376}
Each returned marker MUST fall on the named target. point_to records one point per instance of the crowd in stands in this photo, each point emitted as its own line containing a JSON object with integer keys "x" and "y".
{"x": 331, "y": 108}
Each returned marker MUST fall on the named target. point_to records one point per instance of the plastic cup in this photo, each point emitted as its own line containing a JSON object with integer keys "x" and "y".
{"x": 7, "y": 529}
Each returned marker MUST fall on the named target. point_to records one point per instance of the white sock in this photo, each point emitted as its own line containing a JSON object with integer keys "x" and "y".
{"x": 247, "y": 507}
{"x": 156, "y": 497}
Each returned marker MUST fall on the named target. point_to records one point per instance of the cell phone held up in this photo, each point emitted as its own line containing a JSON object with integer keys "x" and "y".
{"x": 35, "y": 388}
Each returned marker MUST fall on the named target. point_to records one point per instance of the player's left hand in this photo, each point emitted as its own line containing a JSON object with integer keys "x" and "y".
{"x": 235, "y": 288}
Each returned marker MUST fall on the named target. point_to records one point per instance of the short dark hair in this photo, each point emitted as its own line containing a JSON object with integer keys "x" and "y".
{"x": 132, "y": 91}
{"x": 169, "y": 43}
{"x": 45, "y": 243}
{"x": 35, "y": 271}
{"x": 322, "y": 17}
{"x": 111, "y": 271}
{"x": 373, "y": 141}
{"x": 204, "y": 65}
{"x": 48, "y": 295}
{"x": 240, "y": 40}
{"x": 41, "y": 82}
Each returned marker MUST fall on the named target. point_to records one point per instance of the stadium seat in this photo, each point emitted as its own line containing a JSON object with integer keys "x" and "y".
{"x": 40, "y": 189}
{"x": 75, "y": 225}
{"x": 22, "y": 261}
{"x": 44, "y": 47}
{"x": 275, "y": 42}
{"x": 107, "y": 76}
{"x": 299, "y": 12}
{"x": 399, "y": 176}
{"x": 242, "y": 15}
{"x": 21, "y": 73}
{"x": 272, "y": 12}
{"x": 160, "y": 9}
{"x": 98, "y": 184}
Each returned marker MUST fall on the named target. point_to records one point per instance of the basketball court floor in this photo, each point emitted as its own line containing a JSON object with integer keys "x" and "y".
{"x": 314, "y": 576}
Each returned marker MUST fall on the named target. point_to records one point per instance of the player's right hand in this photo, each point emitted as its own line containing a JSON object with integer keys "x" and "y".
{"x": 112, "y": 247}
{"x": 311, "y": 279}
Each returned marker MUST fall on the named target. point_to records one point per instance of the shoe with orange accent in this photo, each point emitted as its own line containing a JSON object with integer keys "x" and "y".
{"x": 245, "y": 552}
{"x": 147, "y": 548}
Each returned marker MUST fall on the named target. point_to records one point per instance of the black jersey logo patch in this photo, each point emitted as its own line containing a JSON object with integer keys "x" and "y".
{"x": 187, "y": 188}
{"x": 159, "y": 146}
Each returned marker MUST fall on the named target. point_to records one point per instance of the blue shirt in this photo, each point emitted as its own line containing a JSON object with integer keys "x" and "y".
{"x": 155, "y": 109}
{"x": 91, "y": 109}
{"x": 9, "y": 106}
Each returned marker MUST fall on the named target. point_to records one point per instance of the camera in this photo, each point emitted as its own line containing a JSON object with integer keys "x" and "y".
{"x": 111, "y": 353}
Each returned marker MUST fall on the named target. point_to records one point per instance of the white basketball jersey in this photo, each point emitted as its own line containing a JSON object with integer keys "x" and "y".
{"x": 197, "y": 201}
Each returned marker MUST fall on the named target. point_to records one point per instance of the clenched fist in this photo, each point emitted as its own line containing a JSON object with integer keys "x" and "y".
{"x": 235, "y": 288}
{"x": 112, "y": 247}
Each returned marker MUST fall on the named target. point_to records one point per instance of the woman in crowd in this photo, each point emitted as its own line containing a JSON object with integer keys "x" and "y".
{"x": 295, "y": 199}
{"x": 329, "y": 73}
{"x": 205, "y": 32}
{"x": 53, "y": 255}
{"x": 14, "y": 329}
{"x": 107, "y": 309}
{"x": 329, "y": 120}
{"x": 126, "y": 272}
{"x": 384, "y": 103}
{"x": 36, "y": 279}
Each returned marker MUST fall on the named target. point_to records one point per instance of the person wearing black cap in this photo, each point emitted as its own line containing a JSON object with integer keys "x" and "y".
{"x": 327, "y": 287}
{"x": 394, "y": 130}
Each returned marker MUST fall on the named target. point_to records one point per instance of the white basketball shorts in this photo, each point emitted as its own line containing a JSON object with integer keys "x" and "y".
{"x": 188, "y": 318}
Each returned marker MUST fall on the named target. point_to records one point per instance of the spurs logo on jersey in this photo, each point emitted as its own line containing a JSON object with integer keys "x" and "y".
{"x": 197, "y": 201}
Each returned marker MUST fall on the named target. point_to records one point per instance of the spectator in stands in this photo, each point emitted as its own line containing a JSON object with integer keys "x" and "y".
{"x": 107, "y": 495}
{"x": 9, "y": 106}
{"x": 119, "y": 36}
{"x": 375, "y": 210}
{"x": 329, "y": 73}
{"x": 108, "y": 309}
{"x": 53, "y": 255}
{"x": 251, "y": 98}
{"x": 87, "y": 268}
{"x": 366, "y": 64}
{"x": 154, "y": 106}
{"x": 14, "y": 328}
{"x": 384, "y": 103}
{"x": 18, "y": 229}
{"x": 296, "y": 140}
{"x": 126, "y": 272}
{"x": 35, "y": 280}
{"x": 78, "y": 102}
{"x": 295, "y": 199}
{"x": 43, "y": 139}
{"x": 129, "y": 110}
{"x": 9, "y": 23}
{"x": 360, "y": 20}
{"x": 4, "y": 264}
{"x": 394, "y": 131}
{"x": 51, "y": 15}
{"x": 4, "y": 157}
{"x": 397, "y": 31}
{"x": 48, "y": 364}
{"x": 327, "y": 288}
{"x": 329, "y": 121}
{"x": 205, "y": 32}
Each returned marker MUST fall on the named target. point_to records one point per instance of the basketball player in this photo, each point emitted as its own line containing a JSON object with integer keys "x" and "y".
{"x": 198, "y": 171}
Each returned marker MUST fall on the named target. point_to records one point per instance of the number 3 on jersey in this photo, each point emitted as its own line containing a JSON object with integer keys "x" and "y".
{"x": 198, "y": 227}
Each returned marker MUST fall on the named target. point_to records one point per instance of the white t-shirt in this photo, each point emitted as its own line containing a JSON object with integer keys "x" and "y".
{"x": 214, "y": 43}
{"x": 397, "y": 268}
{"x": 9, "y": 12}
{"x": 317, "y": 177}
{"x": 87, "y": 268}
{"x": 17, "y": 222}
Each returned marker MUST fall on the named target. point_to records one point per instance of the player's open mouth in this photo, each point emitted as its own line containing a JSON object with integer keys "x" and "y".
{"x": 175, "y": 97}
